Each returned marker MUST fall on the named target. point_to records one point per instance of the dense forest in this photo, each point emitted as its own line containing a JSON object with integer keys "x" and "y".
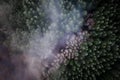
{"x": 59, "y": 40}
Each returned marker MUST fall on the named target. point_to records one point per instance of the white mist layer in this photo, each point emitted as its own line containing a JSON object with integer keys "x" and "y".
{"x": 40, "y": 48}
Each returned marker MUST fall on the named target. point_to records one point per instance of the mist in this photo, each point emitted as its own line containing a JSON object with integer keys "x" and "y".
{"x": 39, "y": 52}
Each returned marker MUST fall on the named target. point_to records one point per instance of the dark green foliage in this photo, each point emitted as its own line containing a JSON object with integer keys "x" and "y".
{"x": 101, "y": 50}
{"x": 35, "y": 15}
{"x": 99, "y": 55}
{"x": 17, "y": 18}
